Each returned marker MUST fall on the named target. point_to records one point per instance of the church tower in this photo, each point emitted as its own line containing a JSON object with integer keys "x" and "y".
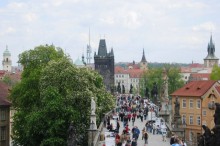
{"x": 143, "y": 63}
{"x": 6, "y": 63}
{"x": 105, "y": 65}
{"x": 211, "y": 59}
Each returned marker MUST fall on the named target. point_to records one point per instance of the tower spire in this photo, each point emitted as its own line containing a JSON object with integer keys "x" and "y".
{"x": 143, "y": 57}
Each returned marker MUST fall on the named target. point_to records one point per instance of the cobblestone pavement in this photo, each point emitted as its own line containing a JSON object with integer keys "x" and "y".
{"x": 154, "y": 140}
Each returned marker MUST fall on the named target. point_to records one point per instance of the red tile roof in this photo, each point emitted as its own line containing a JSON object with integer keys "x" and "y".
{"x": 4, "y": 94}
{"x": 196, "y": 65}
{"x": 218, "y": 89}
{"x": 194, "y": 88}
{"x": 119, "y": 69}
{"x": 185, "y": 70}
{"x": 133, "y": 73}
{"x": 200, "y": 76}
{"x": 2, "y": 73}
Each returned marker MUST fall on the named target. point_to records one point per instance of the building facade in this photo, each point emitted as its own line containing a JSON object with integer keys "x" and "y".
{"x": 4, "y": 115}
{"x": 211, "y": 59}
{"x": 105, "y": 65}
{"x": 6, "y": 62}
{"x": 197, "y": 100}
{"x": 131, "y": 74}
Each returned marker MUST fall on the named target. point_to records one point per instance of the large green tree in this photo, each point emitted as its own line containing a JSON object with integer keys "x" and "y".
{"x": 51, "y": 94}
{"x": 156, "y": 75}
{"x": 215, "y": 75}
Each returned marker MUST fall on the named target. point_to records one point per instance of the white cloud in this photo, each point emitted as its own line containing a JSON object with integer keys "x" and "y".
{"x": 207, "y": 26}
{"x": 30, "y": 17}
{"x": 158, "y": 25}
{"x": 17, "y": 5}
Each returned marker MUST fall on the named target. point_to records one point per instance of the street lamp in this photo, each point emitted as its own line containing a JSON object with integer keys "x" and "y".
{"x": 184, "y": 128}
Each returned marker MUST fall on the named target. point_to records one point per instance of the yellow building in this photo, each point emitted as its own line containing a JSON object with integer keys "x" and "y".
{"x": 197, "y": 100}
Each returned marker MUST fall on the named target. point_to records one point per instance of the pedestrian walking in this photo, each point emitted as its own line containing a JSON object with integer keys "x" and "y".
{"x": 134, "y": 142}
{"x": 146, "y": 136}
{"x": 164, "y": 136}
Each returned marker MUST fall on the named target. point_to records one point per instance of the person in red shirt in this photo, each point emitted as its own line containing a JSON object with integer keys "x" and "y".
{"x": 129, "y": 117}
{"x": 127, "y": 129}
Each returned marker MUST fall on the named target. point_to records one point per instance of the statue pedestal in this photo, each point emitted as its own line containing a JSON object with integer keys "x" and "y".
{"x": 179, "y": 132}
{"x": 91, "y": 136}
{"x": 93, "y": 125}
{"x": 177, "y": 121}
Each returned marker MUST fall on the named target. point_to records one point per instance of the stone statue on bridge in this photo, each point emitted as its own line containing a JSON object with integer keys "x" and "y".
{"x": 93, "y": 106}
{"x": 177, "y": 107}
{"x": 211, "y": 138}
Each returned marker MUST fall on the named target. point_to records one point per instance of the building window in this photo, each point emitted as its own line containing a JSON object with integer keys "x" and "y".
{"x": 3, "y": 133}
{"x": 190, "y": 103}
{"x": 184, "y": 103}
{"x": 3, "y": 114}
{"x": 203, "y": 112}
{"x": 122, "y": 76}
{"x": 190, "y": 120}
{"x": 198, "y": 103}
{"x": 183, "y": 118}
{"x": 186, "y": 77}
{"x": 116, "y": 76}
{"x": 198, "y": 120}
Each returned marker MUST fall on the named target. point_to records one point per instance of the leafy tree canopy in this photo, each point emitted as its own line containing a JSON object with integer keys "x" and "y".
{"x": 215, "y": 75}
{"x": 51, "y": 94}
{"x": 156, "y": 75}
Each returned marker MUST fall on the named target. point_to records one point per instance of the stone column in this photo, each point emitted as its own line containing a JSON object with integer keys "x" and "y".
{"x": 93, "y": 127}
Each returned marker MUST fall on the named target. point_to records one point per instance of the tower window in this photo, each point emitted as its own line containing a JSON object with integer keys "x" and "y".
{"x": 7, "y": 59}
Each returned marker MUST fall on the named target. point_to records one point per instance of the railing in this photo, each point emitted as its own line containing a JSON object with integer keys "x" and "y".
{"x": 99, "y": 130}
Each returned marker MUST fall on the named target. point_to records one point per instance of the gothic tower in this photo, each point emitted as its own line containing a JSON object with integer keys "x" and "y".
{"x": 105, "y": 65}
{"x": 6, "y": 63}
{"x": 143, "y": 63}
{"x": 211, "y": 59}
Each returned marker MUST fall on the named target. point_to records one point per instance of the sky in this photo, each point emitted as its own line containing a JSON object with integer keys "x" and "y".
{"x": 168, "y": 30}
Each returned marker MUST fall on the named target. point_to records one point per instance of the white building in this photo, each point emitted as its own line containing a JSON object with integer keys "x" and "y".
{"x": 6, "y": 62}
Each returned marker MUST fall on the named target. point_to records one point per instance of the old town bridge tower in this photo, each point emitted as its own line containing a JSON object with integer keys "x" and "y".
{"x": 104, "y": 64}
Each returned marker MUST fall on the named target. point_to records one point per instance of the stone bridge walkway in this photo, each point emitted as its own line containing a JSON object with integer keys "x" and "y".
{"x": 154, "y": 140}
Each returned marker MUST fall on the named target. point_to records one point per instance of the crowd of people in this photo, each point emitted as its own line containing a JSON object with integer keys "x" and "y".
{"x": 129, "y": 110}
{"x": 176, "y": 141}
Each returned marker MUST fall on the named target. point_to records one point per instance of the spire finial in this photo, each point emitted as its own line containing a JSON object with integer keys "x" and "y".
{"x": 143, "y": 57}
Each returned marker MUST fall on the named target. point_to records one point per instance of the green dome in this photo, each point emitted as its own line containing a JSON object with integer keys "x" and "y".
{"x": 6, "y": 53}
{"x": 78, "y": 62}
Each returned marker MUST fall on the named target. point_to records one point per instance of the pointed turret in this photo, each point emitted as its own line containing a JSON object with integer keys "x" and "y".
{"x": 211, "y": 50}
{"x": 143, "y": 57}
{"x": 102, "y": 51}
{"x": 211, "y": 59}
{"x": 143, "y": 63}
{"x": 112, "y": 52}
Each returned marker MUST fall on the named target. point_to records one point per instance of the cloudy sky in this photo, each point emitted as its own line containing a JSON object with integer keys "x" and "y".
{"x": 168, "y": 30}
